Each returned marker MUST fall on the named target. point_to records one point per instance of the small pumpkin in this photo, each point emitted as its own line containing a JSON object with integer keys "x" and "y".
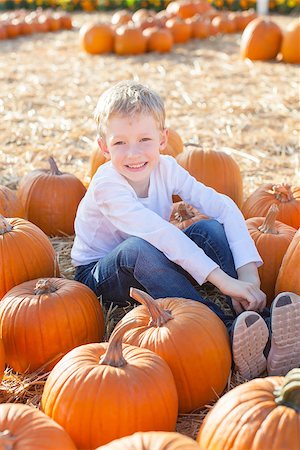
{"x": 10, "y": 205}
{"x": 183, "y": 215}
{"x": 216, "y": 169}
{"x": 261, "y": 40}
{"x": 272, "y": 239}
{"x": 96, "y": 160}
{"x": 290, "y": 47}
{"x": 285, "y": 196}
{"x": 150, "y": 440}
{"x": 121, "y": 17}
{"x": 174, "y": 144}
{"x": 200, "y": 27}
{"x": 96, "y": 38}
{"x": 225, "y": 23}
{"x": 288, "y": 279}
{"x": 36, "y": 256}
{"x": 180, "y": 29}
{"x": 129, "y": 40}
{"x": 41, "y": 320}
{"x": 101, "y": 392}
{"x": 258, "y": 406}
{"x": 158, "y": 39}
{"x": 51, "y": 198}
{"x": 25, "y": 427}
{"x": 179, "y": 331}
{"x": 182, "y": 9}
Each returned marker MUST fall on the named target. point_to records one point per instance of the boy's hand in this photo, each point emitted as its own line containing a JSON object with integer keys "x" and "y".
{"x": 247, "y": 295}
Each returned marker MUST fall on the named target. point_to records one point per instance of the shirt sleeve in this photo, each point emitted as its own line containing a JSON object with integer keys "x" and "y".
{"x": 221, "y": 208}
{"x": 122, "y": 208}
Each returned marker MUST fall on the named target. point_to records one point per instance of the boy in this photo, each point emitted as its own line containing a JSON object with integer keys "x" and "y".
{"x": 124, "y": 238}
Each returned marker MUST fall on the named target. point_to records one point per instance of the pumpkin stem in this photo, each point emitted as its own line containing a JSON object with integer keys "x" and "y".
{"x": 289, "y": 393}
{"x": 54, "y": 170}
{"x": 44, "y": 286}
{"x": 183, "y": 213}
{"x": 5, "y": 226}
{"x": 268, "y": 225}
{"x": 283, "y": 192}
{"x": 7, "y": 440}
{"x": 114, "y": 354}
{"x": 158, "y": 315}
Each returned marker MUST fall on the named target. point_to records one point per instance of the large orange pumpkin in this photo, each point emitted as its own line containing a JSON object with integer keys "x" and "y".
{"x": 261, "y": 40}
{"x": 272, "y": 239}
{"x": 286, "y": 197}
{"x": 26, "y": 428}
{"x": 180, "y": 331}
{"x": 152, "y": 440}
{"x": 290, "y": 47}
{"x": 129, "y": 40}
{"x": 41, "y": 320}
{"x": 215, "y": 169}
{"x": 51, "y": 198}
{"x": 260, "y": 414}
{"x": 10, "y": 205}
{"x": 25, "y": 253}
{"x": 289, "y": 273}
{"x": 96, "y": 38}
{"x": 101, "y": 392}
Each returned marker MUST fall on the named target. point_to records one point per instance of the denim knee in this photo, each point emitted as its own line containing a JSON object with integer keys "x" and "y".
{"x": 134, "y": 249}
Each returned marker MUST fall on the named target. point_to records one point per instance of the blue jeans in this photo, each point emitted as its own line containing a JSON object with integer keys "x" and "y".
{"x": 136, "y": 263}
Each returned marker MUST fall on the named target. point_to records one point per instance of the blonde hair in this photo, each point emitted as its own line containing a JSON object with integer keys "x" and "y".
{"x": 128, "y": 98}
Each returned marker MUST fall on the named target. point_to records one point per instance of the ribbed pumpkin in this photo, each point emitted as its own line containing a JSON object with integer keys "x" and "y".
{"x": 158, "y": 39}
{"x": 51, "y": 198}
{"x": 96, "y": 160}
{"x": 272, "y": 239}
{"x": 41, "y": 320}
{"x": 24, "y": 427}
{"x": 2, "y": 359}
{"x": 101, "y": 392}
{"x": 261, "y": 40}
{"x": 180, "y": 331}
{"x": 180, "y": 29}
{"x": 286, "y": 197}
{"x": 10, "y": 205}
{"x": 152, "y": 440}
{"x": 174, "y": 145}
{"x": 129, "y": 40}
{"x": 215, "y": 169}
{"x": 183, "y": 215}
{"x": 290, "y": 47}
{"x": 96, "y": 38}
{"x": 289, "y": 273}
{"x": 25, "y": 253}
{"x": 258, "y": 415}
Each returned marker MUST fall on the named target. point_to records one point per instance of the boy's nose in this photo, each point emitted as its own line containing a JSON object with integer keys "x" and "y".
{"x": 133, "y": 149}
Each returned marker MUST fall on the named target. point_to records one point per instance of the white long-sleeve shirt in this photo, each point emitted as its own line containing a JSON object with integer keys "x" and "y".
{"x": 111, "y": 211}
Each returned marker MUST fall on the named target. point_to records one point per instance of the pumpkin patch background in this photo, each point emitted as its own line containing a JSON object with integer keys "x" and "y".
{"x": 213, "y": 99}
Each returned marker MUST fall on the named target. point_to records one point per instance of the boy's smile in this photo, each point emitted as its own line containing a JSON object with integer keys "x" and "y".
{"x": 133, "y": 145}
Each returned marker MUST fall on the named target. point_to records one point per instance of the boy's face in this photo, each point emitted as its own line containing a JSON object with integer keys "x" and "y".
{"x": 133, "y": 145}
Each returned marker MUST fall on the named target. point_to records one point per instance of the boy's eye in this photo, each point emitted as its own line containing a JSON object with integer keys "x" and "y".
{"x": 119, "y": 143}
{"x": 145, "y": 139}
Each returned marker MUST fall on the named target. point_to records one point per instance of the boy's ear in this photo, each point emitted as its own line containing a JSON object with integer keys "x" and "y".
{"x": 103, "y": 147}
{"x": 164, "y": 139}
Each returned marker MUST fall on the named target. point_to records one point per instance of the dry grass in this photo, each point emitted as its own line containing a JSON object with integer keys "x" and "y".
{"x": 49, "y": 89}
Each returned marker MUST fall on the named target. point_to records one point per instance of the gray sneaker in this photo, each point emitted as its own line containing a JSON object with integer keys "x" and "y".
{"x": 250, "y": 336}
{"x": 284, "y": 354}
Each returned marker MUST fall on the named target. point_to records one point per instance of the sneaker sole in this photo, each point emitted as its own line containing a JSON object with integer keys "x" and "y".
{"x": 248, "y": 346}
{"x": 285, "y": 342}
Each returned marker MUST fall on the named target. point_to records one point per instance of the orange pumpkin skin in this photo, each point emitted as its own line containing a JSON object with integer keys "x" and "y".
{"x": 261, "y": 40}
{"x": 2, "y": 359}
{"x": 121, "y": 17}
{"x": 288, "y": 279}
{"x": 50, "y": 199}
{"x": 25, "y": 427}
{"x": 182, "y": 9}
{"x": 272, "y": 241}
{"x": 199, "y": 362}
{"x": 158, "y": 40}
{"x": 96, "y": 160}
{"x": 129, "y": 40}
{"x": 200, "y": 27}
{"x": 10, "y": 205}
{"x": 180, "y": 29}
{"x": 215, "y": 169}
{"x": 97, "y": 403}
{"x": 175, "y": 143}
{"x": 290, "y": 47}
{"x": 286, "y": 197}
{"x": 96, "y": 38}
{"x": 36, "y": 256}
{"x": 40, "y": 325}
{"x": 151, "y": 440}
{"x": 247, "y": 418}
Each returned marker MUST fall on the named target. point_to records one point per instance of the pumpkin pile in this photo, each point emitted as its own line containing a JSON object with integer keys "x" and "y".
{"x": 23, "y": 23}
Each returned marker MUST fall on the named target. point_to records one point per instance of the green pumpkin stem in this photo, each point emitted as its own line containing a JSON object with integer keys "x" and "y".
{"x": 7, "y": 440}
{"x": 54, "y": 170}
{"x": 44, "y": 286}
{"x": 158, "y": 315}
{"x": 289, "y": 393}
{"x": 114, "y": 353}
{"x": 268, "y": 225}
{"x": 5, "y": 226}
{"x": 283, "y": 192}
